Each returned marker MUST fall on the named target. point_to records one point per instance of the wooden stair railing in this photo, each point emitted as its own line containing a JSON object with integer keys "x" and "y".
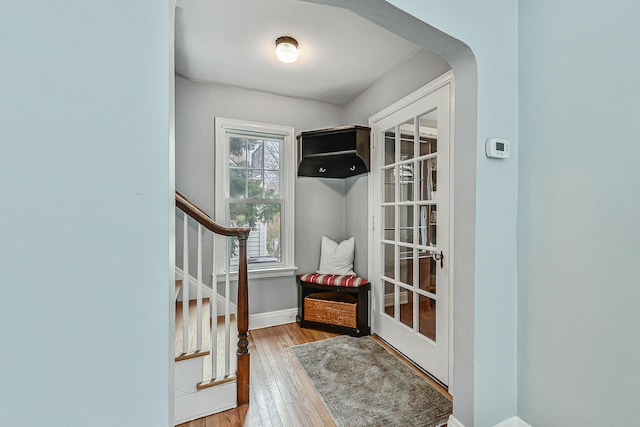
{"x": 242, "y": 352}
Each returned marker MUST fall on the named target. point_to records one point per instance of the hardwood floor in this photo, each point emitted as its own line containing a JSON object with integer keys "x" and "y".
{"x": 281, "y": 393}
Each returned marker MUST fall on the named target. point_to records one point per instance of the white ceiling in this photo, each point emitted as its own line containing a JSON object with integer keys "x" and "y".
{"x": 233, "y": 43}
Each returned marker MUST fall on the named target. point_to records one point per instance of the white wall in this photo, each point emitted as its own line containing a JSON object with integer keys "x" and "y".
{"x": 399, "y": 82}
{"x": 578, "y": 229}
{"x": 356, "y": 223}
{"x": 319, "y": 202}
{"x": 86, "y": 186}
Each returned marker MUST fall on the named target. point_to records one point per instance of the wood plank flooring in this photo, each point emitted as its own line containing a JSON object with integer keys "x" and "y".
{"x": 281, "y": 393}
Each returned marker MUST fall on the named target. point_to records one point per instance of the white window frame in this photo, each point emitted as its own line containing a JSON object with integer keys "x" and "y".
{"x": 223, "y": 126}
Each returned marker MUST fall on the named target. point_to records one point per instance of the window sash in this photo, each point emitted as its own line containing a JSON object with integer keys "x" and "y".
{"x": 247, "y": 169}
{"x": 259, "y": 247}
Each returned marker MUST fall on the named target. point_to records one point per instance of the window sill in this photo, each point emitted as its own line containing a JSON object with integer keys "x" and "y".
{"x": 260, "y": 273}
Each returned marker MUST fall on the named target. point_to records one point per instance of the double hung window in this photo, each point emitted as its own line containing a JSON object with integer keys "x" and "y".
{"x": 255, "y": 170}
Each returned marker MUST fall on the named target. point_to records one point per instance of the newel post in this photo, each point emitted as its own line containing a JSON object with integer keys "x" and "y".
{"x": 243, "y": 324}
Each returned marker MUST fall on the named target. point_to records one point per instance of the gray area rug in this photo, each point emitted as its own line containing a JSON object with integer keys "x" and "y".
{"x": 362, "y": 384}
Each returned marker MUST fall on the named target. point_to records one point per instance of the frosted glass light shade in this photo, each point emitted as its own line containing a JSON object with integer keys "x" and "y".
{"x": 286, "y": 49}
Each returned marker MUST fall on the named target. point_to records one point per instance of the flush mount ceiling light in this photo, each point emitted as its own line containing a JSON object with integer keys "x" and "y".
{"x": 286, "y": 49}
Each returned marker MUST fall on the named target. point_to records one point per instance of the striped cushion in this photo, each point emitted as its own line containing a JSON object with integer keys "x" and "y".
{"x": 333, "y": 280}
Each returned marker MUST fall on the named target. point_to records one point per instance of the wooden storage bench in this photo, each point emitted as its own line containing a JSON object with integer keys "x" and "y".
{"x": 334, "y": 303}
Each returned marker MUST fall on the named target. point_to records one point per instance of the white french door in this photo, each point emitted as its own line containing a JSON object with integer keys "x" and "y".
{"x": 410, "y": 200}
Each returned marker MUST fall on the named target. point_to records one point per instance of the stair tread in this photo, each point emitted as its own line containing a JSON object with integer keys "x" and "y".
{"x": 193, "y": 350}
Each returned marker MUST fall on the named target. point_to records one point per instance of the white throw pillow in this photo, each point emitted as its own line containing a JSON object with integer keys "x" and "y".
{"x": 337, "y": 258}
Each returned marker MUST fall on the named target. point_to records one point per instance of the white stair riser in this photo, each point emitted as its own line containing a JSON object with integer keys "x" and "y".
{"x": 188, "y": 373}
{"x": 205, "y": 402}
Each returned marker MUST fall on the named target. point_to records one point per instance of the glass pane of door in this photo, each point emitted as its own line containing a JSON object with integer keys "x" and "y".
{"x": 428, "y": 129}
{"x": 389, "y": 253}
{"x": 389, "y": 221}
{"x": 406, "y": 178}
{"x": 405, "y": 217}
{"x": 389, "y": 185}
{"x": 432, "y": 223}
{"x": 427, "y": 317}
{"x": 406, "y": 307}
{"x": 427, "y": 178}
{"x": 427, "y": 272}
{"x": 390, "y": 146}
{"x": 389, "y": 298}
{"x": 406, "y": 265}
{"x": 407, "y": 140}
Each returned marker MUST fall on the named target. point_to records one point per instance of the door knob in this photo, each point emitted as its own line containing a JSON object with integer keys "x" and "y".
{"x": 439, "y": 257}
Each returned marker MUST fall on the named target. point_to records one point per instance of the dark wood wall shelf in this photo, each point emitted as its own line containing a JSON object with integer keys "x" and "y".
{"x": 334, "y": 153}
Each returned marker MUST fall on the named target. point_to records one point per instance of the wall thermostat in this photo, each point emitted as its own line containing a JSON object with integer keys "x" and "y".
{"x": 498, "y": 148}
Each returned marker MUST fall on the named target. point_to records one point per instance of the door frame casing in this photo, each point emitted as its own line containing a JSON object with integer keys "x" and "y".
{"x": 445, "y": 79}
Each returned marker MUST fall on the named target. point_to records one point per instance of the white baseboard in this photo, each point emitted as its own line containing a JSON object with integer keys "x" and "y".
{"x": 272, "y": 318}
{"x": 523, "y": 423}
{"x": 513, "y": 422}
{"x": 453, "y": 422}
{"x": 509, "y": 422}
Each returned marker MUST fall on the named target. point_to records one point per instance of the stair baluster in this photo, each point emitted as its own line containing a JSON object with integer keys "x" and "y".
{"x": 214, "y": 311}
{"x": 227, "y": 316}
{"x": 199, "y": 293}
{"x": 185, "y": 285}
